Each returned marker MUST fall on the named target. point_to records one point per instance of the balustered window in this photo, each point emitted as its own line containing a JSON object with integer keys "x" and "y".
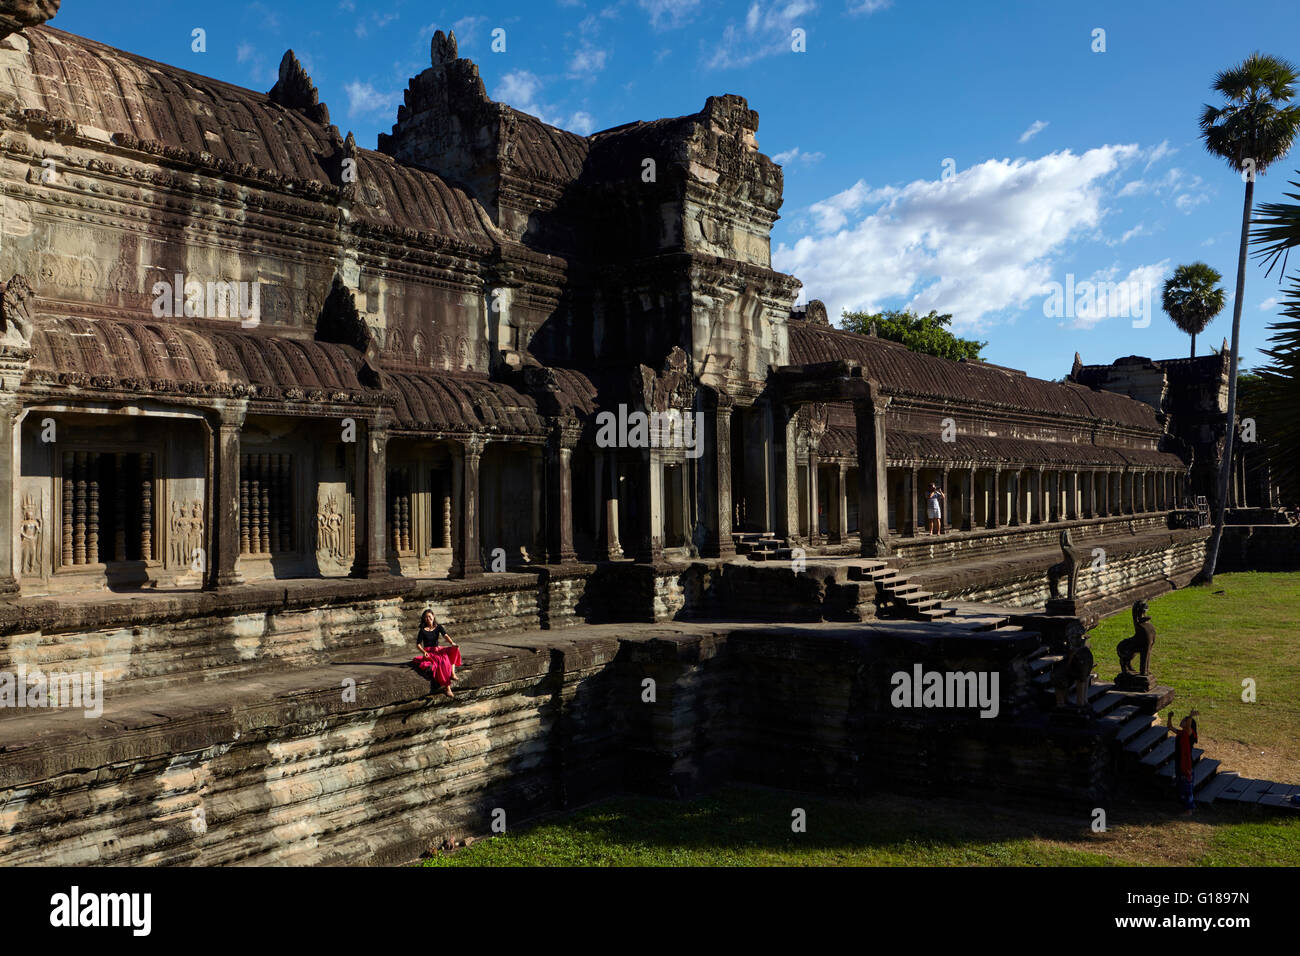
{"x": 107, "y": 507}
{"x": 266, "y": 524}
{"x": 399, "y": 509}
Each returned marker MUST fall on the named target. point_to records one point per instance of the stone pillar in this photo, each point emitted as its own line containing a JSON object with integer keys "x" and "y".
{"x": 785, "y": 487}
{"x": 945, "y": 521}
{"x": 909, "y": 476}
{"x": 842, "y": 502}
{"x": 873, "y": 510}
{"x": 968, "y": 516}
{"x": 613, "y": 546}
{"x": 814, "y": 496}
{"x": 833, "y": 494}
{"x": 995, "y": 511}
{"x": 223, "y": 501}
{"x": 466, "y": 560}
{"x": 371, "y": 557}
{"x": 10, "y": 469}
{"x": 713, "y": 528}
{"x": 1014, "y": 498}
{"x": 559, "y": 493}
{"x": 650, "y": 533}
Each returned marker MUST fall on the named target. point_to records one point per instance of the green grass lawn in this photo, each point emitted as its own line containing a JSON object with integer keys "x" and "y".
{"x": 751, "y": 826}
{"x": 1208, "y": 639}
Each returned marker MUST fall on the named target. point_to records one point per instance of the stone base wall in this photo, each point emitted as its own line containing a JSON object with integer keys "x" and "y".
{"x": 1140, "y": 566}
{"x": 304, "y": 776}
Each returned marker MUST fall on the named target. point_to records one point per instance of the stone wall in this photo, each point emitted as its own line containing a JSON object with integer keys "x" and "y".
{"x": 292, "y": 771}
{"x": 1260, "y": 548}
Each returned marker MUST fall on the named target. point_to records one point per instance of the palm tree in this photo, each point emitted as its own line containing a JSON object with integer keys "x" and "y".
{"x": 1253, "y": 129}
{"x": 1192, "y": 298}
{"x": 1277, "y": 230}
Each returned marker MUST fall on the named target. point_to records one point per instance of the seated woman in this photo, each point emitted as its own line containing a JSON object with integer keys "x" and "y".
{"x": 436, "y": 663}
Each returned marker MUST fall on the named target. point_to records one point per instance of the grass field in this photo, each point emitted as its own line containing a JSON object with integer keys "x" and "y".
{"x": 1208, "y": 640}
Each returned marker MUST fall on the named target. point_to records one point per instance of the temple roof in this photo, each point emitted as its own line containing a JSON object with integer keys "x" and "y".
{"x": 167, "y": 357}
{"x": 137, "y": 100}
{"x": 900, "y": 371}
{"x": 841, "y": 442}
{"x": 462, "y": 402}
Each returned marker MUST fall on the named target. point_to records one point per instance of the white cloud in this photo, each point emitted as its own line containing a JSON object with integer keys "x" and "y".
{"x": 520, "y": 89}
{"x": 582, "y": 123}
{"x": 792, "y": 156}
{"x": 666, "y": 14}
{"x": 1099, "y": 297}
{"x": 245, "y": 52}
{"x": 766, "y": 31}
{"x": 1189, "y": 201}
{"x": 973, "y": 245}
{"x": 365, "y": 100}
{"x": 586, "y": 61}
{"x": 868, "y": 6}
{"x": 1036, "y": 127}
{"x": 1157, "y": 153}
{"x": 1269, "y": 303}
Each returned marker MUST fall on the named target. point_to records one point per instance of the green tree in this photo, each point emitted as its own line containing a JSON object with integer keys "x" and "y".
{"x": 1192, "y": 297}
{"x": 920, "y": 333}
{"x": 1252, "y": 129}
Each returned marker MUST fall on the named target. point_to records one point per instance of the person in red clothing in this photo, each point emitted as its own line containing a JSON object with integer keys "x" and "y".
{"x": 1184, "y": 740}
{"x": 436, "y": 663}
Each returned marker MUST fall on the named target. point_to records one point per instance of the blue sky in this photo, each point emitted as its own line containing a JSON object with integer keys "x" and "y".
{"x": 1067, "y": 164}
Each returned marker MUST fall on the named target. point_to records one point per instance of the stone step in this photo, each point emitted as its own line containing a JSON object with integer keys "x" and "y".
{"x": 1147, "y": 739}
{"x": 923, "y": 605}
{"x": 1117, "y": 718}
{"x": 867, "y": 568}
{"x": 1160, "y": 752}
{"x": 1280, "y": 798}
{"x": 1135, "y": 726}
{"x": 1251, "y": 794}
{"x": 1043, "y": 664}
{"x": 1216, "y": 785}
{"x": 914, "y": 597}
{"x": 1107, "y": 702}
{"x": 891, "y": 582}
{"x": 934, "y": 613}
{"x": 1237, "y": 788}
{"x": 1201, "y": 770}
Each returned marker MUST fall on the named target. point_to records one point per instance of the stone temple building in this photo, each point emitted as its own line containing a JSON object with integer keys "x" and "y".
{"x": 266, "y": 395}
{"x": 238, "y": 346}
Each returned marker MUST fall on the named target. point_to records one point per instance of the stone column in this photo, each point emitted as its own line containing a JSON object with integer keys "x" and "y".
{"x": 10, "y": 470}
{"x": 612, "y": 547}
{"x": 814, "y": 496}
{"x": 909, "y": 498}
{"x": 785, "y": 487}
{"x": 873, "y": 510}
{"x": 1014, "y": 499}
{"x": 223, "y": 500}
{"x": 834, "y": 533}
{"x": 945, "y": 523}
{"x": 559, "y": 493}
{"x": 466, "y": 560}
{"x": 713, "y": 528}
{"x": 968, "y": 516}
{"x": 371, "y": 557}
{"x": 995, "y": 511}
{"x": 650, "y": 533}
{"x": 842, "y": 502}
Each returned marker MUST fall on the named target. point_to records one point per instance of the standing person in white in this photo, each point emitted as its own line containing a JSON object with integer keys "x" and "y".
{"x": 935, "y": 505}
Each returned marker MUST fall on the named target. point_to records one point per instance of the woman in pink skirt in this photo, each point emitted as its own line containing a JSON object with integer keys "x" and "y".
{"x": 436, "y": 663}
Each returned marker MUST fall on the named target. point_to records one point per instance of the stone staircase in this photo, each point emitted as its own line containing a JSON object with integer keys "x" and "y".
{"x": 1145, "y": 746}
{"x": 762, "y": 546}
{"x": 896, "y": 592}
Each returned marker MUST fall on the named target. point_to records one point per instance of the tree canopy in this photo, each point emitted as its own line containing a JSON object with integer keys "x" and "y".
{"x": 920, "y": 333}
